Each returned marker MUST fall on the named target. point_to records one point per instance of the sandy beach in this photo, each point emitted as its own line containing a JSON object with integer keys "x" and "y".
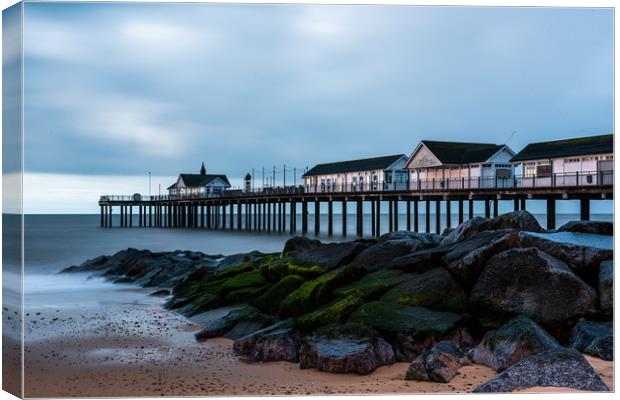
{"x": 136, "y": 348}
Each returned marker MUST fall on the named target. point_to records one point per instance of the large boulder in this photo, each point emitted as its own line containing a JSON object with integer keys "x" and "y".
{"x": 594, "y": 338}
{"x": 270, "y": 300}
{"x": 528, "y": 281}
{"x": 561, "y": 367}
{"x": 516, "y": 220}
{"x": 331, "y": 313}
{"x": 596, "y": 227}
{"x": 346, "y": 348}
{"x": 606, "y": 288}
{"x": 318, "y": 292}
{"x": 234, "y": 260}
{"x": 372, "y": 286}
{"x": 584, "y": 260}
{"x": 439, "y": 364}
{"x": 423, "y": 260}
{"x": 510, "y": 343}
{"x": 466, "y": 259}
{"x": 392, "y": 246}
{"x": 411, "y": 330}
{"x": 235, "y": 323}
{"x": 95, "y": 264}
{"x": 277, "y": 342}
{"x": 307, "y": 252}
{"x": 434, "y": 289}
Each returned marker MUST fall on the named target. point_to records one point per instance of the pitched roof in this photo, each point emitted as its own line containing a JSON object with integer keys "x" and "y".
{"x": 194, "y": 180}
{"x": 365, "y": 164}
{"x": 461, "y": 152}
{"x": 567, "y": 147}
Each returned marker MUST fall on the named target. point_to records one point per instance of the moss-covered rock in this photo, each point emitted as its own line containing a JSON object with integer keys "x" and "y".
{"x": 246, "y": 294}
{"x": 270, "y": 300}
{"x": 318, "y": 292}
{"x": 253, "y": 278}
{"x": 273, "y": 268}
{"x": 373, "y": 285}
{"x": 334, "y": 312}
{"x": 307, "y": 272}
{"x": 434, "y": 289}
{"x": 400, "y": 319}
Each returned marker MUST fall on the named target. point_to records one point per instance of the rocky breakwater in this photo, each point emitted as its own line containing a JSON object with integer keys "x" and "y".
{"x": 490, "y": 291}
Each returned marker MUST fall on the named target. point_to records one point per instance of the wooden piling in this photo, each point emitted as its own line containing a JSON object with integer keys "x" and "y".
{"x": 378, "y": 217}
{"x": 487, "y": 208}
{"x": 304, "y": 217}
{"x": 460, "y": 211}
{"x": 408, "y": 215}
{"x": 360, "y": 218}
{"x": 330, "y": 217}
{"x": 550, "y": 213}
{"x": 390, "y": 216}
{"x": 317, "y": 217}
{"x": 396, "y": 215}
{"x": 427, "y": 216}
{"x": 437, "y": 216}
{"x": 448, "y": 214}
{"x": 344, "y": 217}
{"x": 416, "y": 216}
{"x": 584, "y": 209}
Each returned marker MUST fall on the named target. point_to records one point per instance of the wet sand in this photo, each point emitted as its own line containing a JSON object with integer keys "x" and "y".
{"x": 138, "y": 349}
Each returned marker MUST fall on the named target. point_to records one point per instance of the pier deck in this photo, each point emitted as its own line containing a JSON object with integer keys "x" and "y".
{"x": 276, "y": 209}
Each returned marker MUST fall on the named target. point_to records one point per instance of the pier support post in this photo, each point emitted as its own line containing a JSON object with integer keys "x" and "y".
{"x": 373, "y": 219}
{"x": 360, "y": 218}
{"x": 378, "y": 219}
{"x": 495, "y": 207}
{"x": 396, "y": 214}
{"x": 255, "y": 216}
{"x": 427, "y": 217}
{"x": 390, "y": 216}
{"x": 304, "y": 217}
{"x": 584, "y": 209}
{"x": 317, "y": 218}
{"x": 110, "y": 217}
{"x": 130, "y": 216}
{"x": 101, "y": 215}
{"x": 460, "y": 211}
{"x": 516, "y": 204}
{"x": 330, "y": 217}
{"x": 150, "y": 216}
{"x": 293, "y": 216}
{"x": 268, "y": 206}
{"x": 550, "y": 213}
{"x": 408, "y": 215}
{"x": 121, "y": 215}
{"x": 523, "y": 204}
{"x": 416, "y": 216}
{"x": 487, "y": 208}
{"x": 470, "y": 207}
{"x": 238, "y": 216}
{"x": 231, "y": 224}
{"x": 438, "y": 216}
{"x": 344, "y": 217}
{"x": 448, "y": 214}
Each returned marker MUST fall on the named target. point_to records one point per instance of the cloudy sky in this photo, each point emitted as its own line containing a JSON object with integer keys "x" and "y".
{"x": 115, "y": 90}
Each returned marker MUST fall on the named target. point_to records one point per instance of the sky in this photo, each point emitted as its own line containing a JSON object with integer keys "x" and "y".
{"x": 113, "y": 91}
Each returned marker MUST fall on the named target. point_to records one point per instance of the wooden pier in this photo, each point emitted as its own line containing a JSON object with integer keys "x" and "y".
{"x": 276, "y": 209}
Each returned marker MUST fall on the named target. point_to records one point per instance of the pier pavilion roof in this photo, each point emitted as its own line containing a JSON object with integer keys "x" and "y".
{"x": 601, "y": 144}
{"x": 197, "y": 180}
{"x": 366, "y": 164}
{"x": 452, "y": 153}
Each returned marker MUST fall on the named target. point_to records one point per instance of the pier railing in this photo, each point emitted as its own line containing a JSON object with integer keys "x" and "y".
{"x": 566, "y": 180}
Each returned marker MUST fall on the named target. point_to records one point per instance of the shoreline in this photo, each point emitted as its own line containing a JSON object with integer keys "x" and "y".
{"x": 156, "y": 354}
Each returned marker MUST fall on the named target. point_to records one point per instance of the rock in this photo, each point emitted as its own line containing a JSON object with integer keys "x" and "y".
{"x": 424, "y": 239}
{"x": 595, "y": 227}
{"x": 411, "y": 330}
{"x": 161, "y": 292}
{"x": 371, "y": 286}
{"x": 510, "y": 343}
{"x": 528, "y": 281}
{"x": 397, "y": 318}
{"x": 345, "y": 349}
{"x": 278, "y": 342}
{"x": 423, "y": 260}
{"x": 124, "y": 279}
{"x": 557, "y": 368}
{"x": 594, "y": 338}
{"x": 334, "y": 312}
{"x": 94, "y": 264}
{"x": 234, "y": 260}
{"x": 381, "y": 255}
{"x": 317, "y": 292}
{"x": 583, "y": 260}
{"x": 439, "y": 364}
{"x": 176, "y": 302}
{"x": 307, "y": 252}
{"x": 606, "y": 288}
{"x": 270, "y": 300}
{"x": 516, "y": 220}
{"x": 466, "y": 259}
{"x": 249, "y": 279}
{"x": 434, "y": 289}
{"x": 236, "y": 323}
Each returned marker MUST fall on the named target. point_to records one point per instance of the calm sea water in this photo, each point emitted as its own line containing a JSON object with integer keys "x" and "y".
{"x": 53, "y": 242}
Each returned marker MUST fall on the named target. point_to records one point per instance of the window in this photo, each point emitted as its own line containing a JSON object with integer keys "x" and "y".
{"x": 571, "y": 160}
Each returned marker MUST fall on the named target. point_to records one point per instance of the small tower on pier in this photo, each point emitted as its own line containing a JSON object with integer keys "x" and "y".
{"x": 247, "y": 183}
{"x": 203, "y": 170}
